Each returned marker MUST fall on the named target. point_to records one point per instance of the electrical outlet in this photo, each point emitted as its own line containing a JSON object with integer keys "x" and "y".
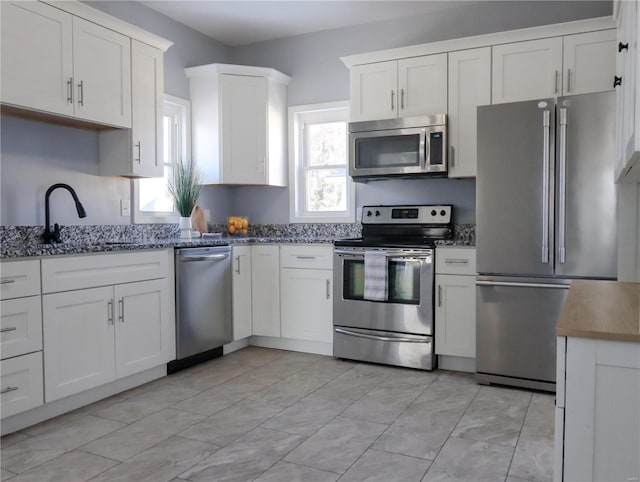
{"x": 125, "y": 207}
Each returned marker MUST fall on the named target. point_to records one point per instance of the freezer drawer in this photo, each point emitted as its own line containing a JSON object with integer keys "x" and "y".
{"x": 516, "y": 330}
{"x": 390, "y": 348}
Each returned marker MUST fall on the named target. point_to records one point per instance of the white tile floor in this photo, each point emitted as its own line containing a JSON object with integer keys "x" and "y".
{"x": 270, "y": 415}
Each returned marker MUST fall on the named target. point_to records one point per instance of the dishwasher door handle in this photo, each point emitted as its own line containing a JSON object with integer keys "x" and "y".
{"x": 210, "y": 257}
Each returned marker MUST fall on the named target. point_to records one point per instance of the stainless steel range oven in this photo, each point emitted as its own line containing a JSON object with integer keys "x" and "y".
{"x": 393, "y": 325}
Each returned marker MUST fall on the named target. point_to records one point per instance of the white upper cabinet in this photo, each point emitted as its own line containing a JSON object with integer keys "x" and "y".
{"x": 627, "y": 76}
{"x": 137, "y": 152}
{"x": 469, "y": 87}
{"x": 423, "y": 85}
{"x": 399, "y": 88}
{"x": 244, "y": 129}
{"x": 58, "y": 63}
{"x": 374, "y": 90}
{"x": 239, "y": 119}
{"x": 527, "y": 70}
{"x": 37, "y": 57}
{"x": 589, "y": 62}
{"x": 102, "y": 74}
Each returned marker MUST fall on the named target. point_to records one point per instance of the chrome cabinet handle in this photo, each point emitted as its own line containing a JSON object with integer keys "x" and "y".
{"x": 70, "y": 90}
{"x": 402, "y": 98}
{"x": 452, "y": 159}
{"x": 110, "y": 312}
{"x": 546, "y": 124}
{"x": 8, "y": 389}
{"x": 10, "y": 328}
{"x": 238, "y": 268}
{"x": 522, "y": 285}
{"x": 568, "y": 80}
{"x": 328, "y": 289}
{"x": 306, "y": 257}
{"x": 7, "y": 281}
{"x": 138, "y": 145}
{"x": 392, "y": 107}
{"x": 562, "y": 180}
{"x": 439, "y": 295}
{"x": 456, "y": 261}
{"x": 81, "y": 93}
{"x": 555, "y": 88}
{"x": 121, "y": 310}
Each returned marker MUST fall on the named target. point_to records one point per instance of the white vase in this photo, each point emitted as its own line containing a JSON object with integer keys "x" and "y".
{"x": 185, "y": 228}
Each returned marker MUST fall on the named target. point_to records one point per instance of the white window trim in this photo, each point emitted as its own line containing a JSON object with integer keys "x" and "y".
{"x": 296, "y": 214}
{"x": 183, "y": 108}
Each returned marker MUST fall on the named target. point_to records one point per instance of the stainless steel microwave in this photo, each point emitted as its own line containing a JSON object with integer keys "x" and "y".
{"x": 405, "y": 147}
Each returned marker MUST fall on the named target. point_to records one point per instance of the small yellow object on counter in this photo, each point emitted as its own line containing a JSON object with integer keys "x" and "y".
{"x": 238, "y": 225}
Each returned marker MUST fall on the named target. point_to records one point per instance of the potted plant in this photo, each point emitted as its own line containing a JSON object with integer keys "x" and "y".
{"x": 185, "y": 189}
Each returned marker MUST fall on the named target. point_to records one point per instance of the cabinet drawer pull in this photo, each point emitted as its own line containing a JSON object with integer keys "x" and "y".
{"x": 138, "y": 146}
{"x": 306, "y": 257}
{"x": 81, "y": 93}
{"x": 392, "y": 107}
{"x": 7, "y": 281}
{"x": 439, "y": 295}
{"x": 8, "y": 389}
{"x": 121, "y": 310}
{"x": 238, "y": 260}
{"x": 10, "y": 328}
{"x": 328, "y": 289}
{"x": 622, "y": 46}
{"x": 456, "y": 261}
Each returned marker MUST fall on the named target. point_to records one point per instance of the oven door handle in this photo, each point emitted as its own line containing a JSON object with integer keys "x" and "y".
{"x": 380, "y": 338}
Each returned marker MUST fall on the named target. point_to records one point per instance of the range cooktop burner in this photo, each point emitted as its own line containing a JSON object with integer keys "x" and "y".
{"x": 416, "y": 226}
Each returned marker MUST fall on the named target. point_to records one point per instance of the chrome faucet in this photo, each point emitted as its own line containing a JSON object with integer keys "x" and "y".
{"x": 54, "y": 237}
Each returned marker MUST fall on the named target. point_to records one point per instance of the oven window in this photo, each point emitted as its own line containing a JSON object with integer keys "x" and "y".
{"x": 403, "y": 281}
{"x": 388, "y": 151}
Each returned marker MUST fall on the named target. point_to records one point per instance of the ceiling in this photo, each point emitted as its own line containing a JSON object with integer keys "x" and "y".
{"x": 242, "y": 22}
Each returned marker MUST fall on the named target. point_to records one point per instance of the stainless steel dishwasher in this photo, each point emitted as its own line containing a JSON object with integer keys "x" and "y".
{"x": 203, "y": 304}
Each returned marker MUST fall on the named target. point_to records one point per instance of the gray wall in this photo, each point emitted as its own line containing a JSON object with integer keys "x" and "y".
{"x": 34, "y": 154}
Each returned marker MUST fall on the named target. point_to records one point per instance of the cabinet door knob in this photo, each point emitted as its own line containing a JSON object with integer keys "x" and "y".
{"x": 622, "y": 46}
{"x": 617, "y": 81}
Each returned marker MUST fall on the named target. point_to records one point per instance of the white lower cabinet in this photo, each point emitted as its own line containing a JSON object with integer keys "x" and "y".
{"x": 21, "y": 383}
{"x": 241, "y": 288}
{"x": 99, "y": 334}
{"x": 265, "y": 290}
{"x": 455, "y": 312}
{"x": 20, "y": 326}
{"x": 306, "y": 279}
{"x": 601, "y": 386}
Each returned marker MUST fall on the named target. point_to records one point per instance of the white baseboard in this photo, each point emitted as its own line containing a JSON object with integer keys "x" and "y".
{"x": 67, "y": 404}
{"x": 317, "y": 347}
{"x": 457, "y": 363}
{"x": 235, "y": 346}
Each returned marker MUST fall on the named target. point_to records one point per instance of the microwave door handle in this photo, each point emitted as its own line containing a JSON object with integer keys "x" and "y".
{"x": 424, "y": 149}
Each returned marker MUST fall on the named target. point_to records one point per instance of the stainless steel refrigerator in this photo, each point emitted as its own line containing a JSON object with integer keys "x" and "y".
{"x": 545, "y": 214}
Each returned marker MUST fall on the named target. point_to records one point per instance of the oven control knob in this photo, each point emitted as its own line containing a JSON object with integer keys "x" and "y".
{"x": 377, "y": 213}
{"x": 433, "y": 212}
{"x": 443, "y": 212}
{"x": 368, "y": 213}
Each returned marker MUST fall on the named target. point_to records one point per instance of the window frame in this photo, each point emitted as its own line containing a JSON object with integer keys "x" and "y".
{"x": 298, "y": 115}
{"x": 181, "y": 109}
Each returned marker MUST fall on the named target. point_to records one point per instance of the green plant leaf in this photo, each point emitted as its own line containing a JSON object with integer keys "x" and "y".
{"x": 185, "y": 187}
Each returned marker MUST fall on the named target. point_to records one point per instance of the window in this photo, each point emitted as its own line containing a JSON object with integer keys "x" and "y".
{"x": 152, "y": 203}
{"x": 320, "y": 187}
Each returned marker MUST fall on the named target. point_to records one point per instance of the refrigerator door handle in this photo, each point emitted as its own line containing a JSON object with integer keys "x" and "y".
{"x": 546, "y": 124}
{"x": 562, "y": 189}
{"x": 522, "y": 285}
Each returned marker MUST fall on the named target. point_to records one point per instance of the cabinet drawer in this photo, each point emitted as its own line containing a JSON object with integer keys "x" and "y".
{"x": 306, "y": 256}
{"x": 63, "y": 274}
{"x": 19, "y": 278}
{"x": 456, "y": 261}
{"x": 20, "y": 326}
{"x": 21, "y": 383}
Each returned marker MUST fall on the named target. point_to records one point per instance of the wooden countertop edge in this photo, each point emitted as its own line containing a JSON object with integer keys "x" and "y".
{"x": 599, "y": 335}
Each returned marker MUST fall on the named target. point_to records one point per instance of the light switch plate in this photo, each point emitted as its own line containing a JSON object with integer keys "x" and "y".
{"x": 125, "y": 207}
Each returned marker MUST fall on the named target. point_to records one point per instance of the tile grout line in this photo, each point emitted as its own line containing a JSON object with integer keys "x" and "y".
{"x": 518, "y": 439}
